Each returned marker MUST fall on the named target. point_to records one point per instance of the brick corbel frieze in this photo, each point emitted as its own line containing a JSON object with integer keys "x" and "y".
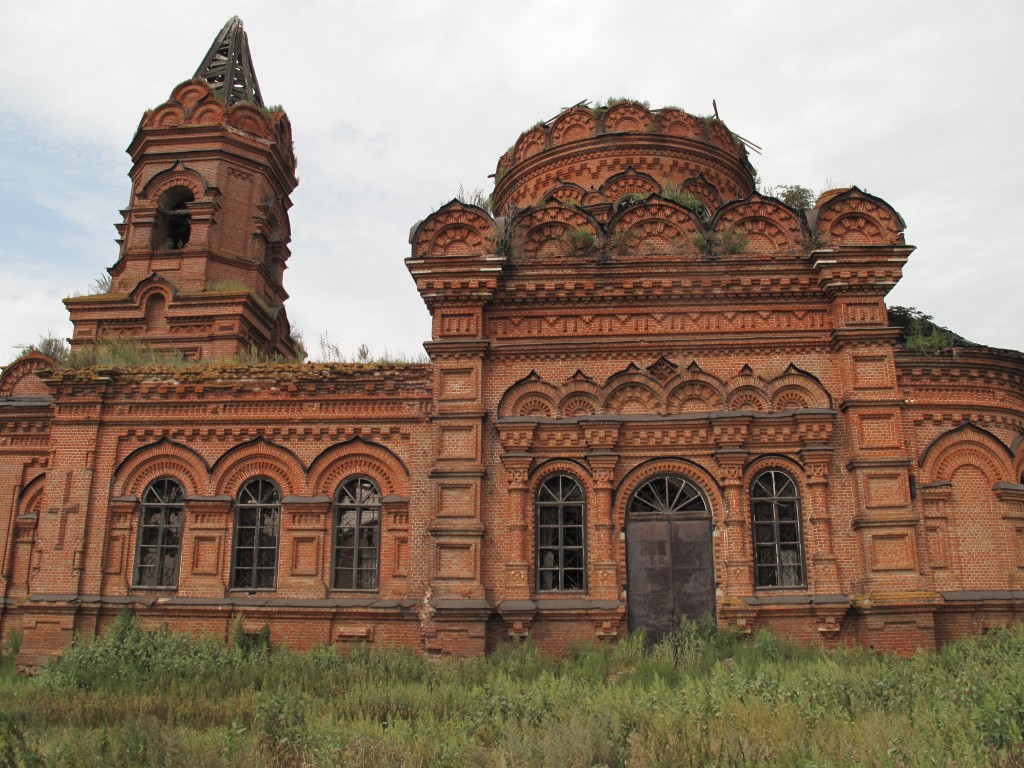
{"x": 869, "y": 269}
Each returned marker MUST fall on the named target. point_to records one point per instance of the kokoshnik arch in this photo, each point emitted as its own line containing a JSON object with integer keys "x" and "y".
{"x": 652, "y": 392}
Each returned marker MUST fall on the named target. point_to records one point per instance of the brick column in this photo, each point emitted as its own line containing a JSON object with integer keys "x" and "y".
{"x": 519, "y": 510}
{"x": 736, "y": 573}
{"x": 820, "y": 554}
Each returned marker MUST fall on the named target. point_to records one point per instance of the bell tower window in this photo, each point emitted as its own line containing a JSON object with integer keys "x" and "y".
{"x": 173, "y": 225}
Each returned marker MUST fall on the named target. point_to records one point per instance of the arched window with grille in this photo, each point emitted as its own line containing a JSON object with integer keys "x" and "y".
{"x": 257, "y": 529}
{"x": 561, "y": 535}
{"x": 778, "y": 534}
{"x": 162, "y": 519}
{"x": 356, "y": 535}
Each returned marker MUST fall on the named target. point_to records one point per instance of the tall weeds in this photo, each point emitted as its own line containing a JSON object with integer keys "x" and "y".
{"x": 697, "y": 698}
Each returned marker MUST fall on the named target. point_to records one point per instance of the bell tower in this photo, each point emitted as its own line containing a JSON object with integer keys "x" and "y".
{"x": 204, "y": 239}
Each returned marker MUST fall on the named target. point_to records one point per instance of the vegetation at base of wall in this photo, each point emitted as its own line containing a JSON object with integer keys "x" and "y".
{"x": 920, "y": 333}
{"x": 697, "y": 698}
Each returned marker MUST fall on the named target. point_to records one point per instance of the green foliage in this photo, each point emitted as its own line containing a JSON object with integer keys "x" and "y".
{"x": 476, "y": 197}
{"x": 581, "y": 240}
{"x": 249, "y": 642}
{"x": 300, "y": 344}
{"x": 600, "y": 107}
{"x": 919, "y": 333}
{"x": 675, "y": 193}
{"x": 794, "y": 195}
{"x": 699, "y": 697}
{"x": 727, "y": 243}
{"x": 54, "y": 347}
{"x": 122, "y": 353}
{"x": 613, "y": 100}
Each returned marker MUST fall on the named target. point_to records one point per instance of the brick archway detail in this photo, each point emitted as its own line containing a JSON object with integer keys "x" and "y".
{"x": 30, "y": 499}
{"x": 644, "y": 471}
{"x": 258, "y": 458}
{"x": 164, "y": 458}
{"x": 964, "y": 445}
{"x": 358, "y": 457}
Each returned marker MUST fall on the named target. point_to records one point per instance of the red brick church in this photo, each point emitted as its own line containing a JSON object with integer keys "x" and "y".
{"x": 652, "y": 392}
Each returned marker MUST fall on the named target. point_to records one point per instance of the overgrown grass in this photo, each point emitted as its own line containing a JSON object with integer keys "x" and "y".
{"x": 698, "y": 698}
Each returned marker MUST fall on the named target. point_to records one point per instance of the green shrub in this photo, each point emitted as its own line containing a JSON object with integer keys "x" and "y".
{"x": 701, "y": 696}
{"x": 726, "y": 243}
{"x": 919, "y": 333}
{"x": 581, "y": 240}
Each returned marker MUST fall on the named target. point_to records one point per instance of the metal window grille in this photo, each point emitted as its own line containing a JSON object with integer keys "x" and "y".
{"x": 356, "y": 534}
{"x": 561, "y": 535}
{"x": 668, "y": 495}
{"x": 158, "y": 552}
{"x": 778, "y": 538}
{"x": 257, "y": 527}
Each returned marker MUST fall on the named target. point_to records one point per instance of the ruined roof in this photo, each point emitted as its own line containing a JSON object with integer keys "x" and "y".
{"x": 227, "y": 67}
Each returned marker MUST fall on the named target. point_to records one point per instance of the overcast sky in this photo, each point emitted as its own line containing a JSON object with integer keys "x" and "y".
{"x": 395, "y": 104}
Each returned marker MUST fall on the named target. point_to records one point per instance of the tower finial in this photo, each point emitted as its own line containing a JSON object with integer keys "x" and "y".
{"x": 227, "y": 66}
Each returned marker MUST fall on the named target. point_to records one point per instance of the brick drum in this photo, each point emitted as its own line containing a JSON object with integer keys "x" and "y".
{"x": 652, "y": 392}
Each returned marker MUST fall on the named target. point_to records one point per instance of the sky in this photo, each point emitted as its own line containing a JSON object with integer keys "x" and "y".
{"x": 394, "y": 105}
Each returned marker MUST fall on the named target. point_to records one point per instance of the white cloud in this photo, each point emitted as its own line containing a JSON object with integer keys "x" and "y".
{"x": 394, "y": 105}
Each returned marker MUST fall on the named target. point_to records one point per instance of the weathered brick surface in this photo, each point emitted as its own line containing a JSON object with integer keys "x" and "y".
{"x": 594, "y": 327}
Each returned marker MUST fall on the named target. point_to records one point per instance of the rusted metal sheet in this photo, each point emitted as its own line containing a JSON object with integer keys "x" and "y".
{"x": 670, "y": 573}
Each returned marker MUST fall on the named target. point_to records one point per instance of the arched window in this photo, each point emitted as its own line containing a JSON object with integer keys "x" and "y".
{"x": 561, "y": 526}
{"x": 356, "y": 534}
{"x": 667, "y": 495}
{"x": 778, "y": 539}
{"x": 257, "y": 522}
{"x": 160, "y": 525}
{"x": 173, "y": 226}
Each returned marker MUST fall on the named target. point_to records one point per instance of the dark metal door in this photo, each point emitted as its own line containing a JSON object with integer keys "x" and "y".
{"x": 670, "y": 573}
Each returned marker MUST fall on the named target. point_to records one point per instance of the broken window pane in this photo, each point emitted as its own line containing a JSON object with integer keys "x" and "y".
{"x": 778, "y": 539}
{"x": 160, "y": 530}
{"x": 561, "y": 535}
{"x": 254, "y": 562}
{"x": 356, "y": 534}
